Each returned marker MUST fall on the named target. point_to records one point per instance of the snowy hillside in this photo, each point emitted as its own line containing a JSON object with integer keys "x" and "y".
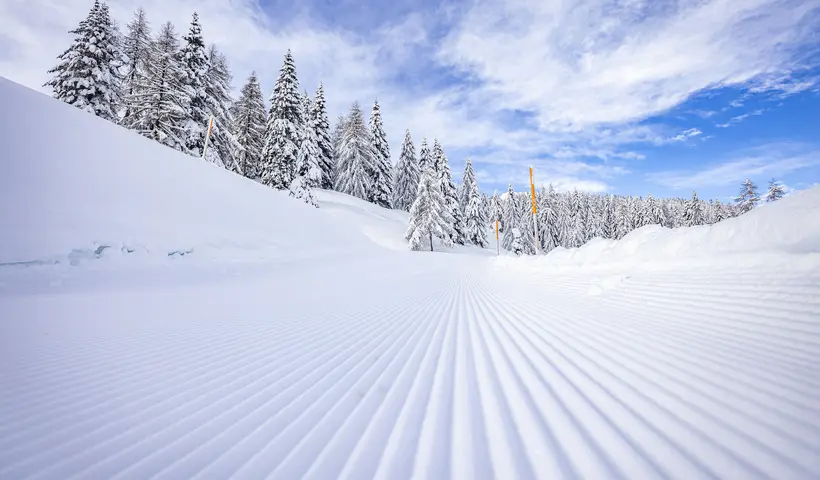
{"x": 311, "y": 343}
{"x": 74, "y": 184}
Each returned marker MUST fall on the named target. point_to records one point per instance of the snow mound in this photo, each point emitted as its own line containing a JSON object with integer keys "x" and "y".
{"x": 77, "y": 187}
{"x": 383, "y": 226}
{"x": 788, "y": 226}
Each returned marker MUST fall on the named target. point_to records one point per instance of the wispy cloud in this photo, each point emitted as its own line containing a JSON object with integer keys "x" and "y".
{"x": 765, "y": 161}
{"x": 739, "y": 118}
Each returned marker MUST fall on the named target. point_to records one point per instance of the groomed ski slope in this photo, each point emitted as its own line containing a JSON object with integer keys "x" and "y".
{"x": 355, "y": 360}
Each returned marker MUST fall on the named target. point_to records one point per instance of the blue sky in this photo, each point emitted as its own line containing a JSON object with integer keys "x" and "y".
{"x": 622, "y": 96}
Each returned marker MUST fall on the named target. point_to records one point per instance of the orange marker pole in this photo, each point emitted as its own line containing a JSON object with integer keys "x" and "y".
{"x": 497, "y": 244}
{"x": 208, "y": 137}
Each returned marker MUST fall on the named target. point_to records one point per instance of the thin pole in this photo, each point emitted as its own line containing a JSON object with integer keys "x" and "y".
{"x": 497, "y": 243}
{"x": 534, "y": 217}
{"x": 208, "y": 137}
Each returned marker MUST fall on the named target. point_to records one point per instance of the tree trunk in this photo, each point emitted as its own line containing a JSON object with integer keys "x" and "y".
{"x": 431, "y": 241}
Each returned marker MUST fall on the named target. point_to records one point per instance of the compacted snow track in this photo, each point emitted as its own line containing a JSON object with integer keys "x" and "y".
{"x": 416, "y": 368}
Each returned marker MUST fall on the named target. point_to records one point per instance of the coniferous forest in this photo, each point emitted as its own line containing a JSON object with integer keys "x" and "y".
{"x": 172, "y": 87}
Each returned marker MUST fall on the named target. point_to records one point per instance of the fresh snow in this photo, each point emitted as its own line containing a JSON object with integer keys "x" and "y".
{"x": 296, "y": 342}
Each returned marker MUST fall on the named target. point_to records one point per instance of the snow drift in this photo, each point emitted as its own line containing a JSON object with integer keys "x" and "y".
{"x": 77, "y": 186}
{"x": 789, "y": 226}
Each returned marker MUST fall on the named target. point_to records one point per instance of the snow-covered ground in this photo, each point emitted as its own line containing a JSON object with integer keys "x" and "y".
{"x": 292, "y": 342}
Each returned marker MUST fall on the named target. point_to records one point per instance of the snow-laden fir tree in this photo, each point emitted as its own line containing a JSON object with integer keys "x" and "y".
{"x": 223, "y": 143}
{"x": 442, "y": 168}
{"x": 609, "y": 218}
{"x": 249, "y": 118}
{"x": 425, "y": 157}
{"x": 321, "y": 125}
{"x": 593, "y": 218}
{"x": 720, "y": 211}
{"x": 776, "y": 191}
{"x": 137, "y": 51}
{"x": 475, "y": 223}
{"x": 88, "y": 75}
{"x": 406, "y": 180}
{"x": 429, "y": 215}
{"x": 194, "y": 60}
{"x": 382, "y": 173}
{"x": 547, "y": 225}
{"x": 300, "y": 189}
{"x": 356, "y": 156}
{"x": 511, "y": 218}
{"x": 307, "y": 160}
{"x": 654, "y": 211}
{"x": 283, "y": 132}
{"x": 496, "y": 210}
{"x": 336, "y": 138}
{"x": 159, "y": 106}
{"x": 527, "y": 230}
{"x": 748, "y": 197}
{"x": 485, "y": 209}
{"x": 694, "y": 212}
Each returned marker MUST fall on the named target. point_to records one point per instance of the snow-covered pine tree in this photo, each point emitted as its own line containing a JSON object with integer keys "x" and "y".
{"x": 623, "y": 216}
{"x": 693, "y": 214}
{"x": 336, "y": 141}
{"x": 407, "y": 175}
{"x": 547, "y": 228}
{"x": 249, "y": 119}
{"x": 321, "y": 126}
{"x": 527, "y": 238}
{"x": 720, "y": 211}
{"x": 442, "y": 168}
{"x": 425, "y": 157}
{"x": 159, "y": 107}
{"x": 511, "y": 218}
{"x": 654, "y": 211}
{"x": 194, "y": 60}
{"x": 429, "y": 215}
{"x": 382, "y": 173}
{"x": 137, "y": 51}
{"x": 300, "y": 189}
{"x": 748, "y": 197}
{"x": 88, "y": 75}
{"x": 485, "y": 209}
{"x": 495, "y": 210}
{"x": 776, "y": 191}
{"x": 307, "y": 161}
{"x": 476, "y": 226}
{"x": 594, "y": 216}
{"x": 610, "y": 218}
{"x": 223, "y": 142}
{"x": 283, "y": 131}
{"x": 356, "y": 156}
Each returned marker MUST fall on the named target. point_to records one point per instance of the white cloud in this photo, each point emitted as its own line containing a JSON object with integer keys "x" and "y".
{"x": 739, "y": 118}
{"x": 773, "y": 160}
{"x": 589, "y": 62}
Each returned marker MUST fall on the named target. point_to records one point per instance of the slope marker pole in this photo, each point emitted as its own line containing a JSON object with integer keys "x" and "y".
{"x": 208, "y": 136}
{"x": 497, "y": 244}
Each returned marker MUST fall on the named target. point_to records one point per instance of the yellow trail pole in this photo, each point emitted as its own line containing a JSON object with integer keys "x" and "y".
{"x": 534, "y": 218}
{"x": 497, "y": 244}
{"x": 208, "y": 136}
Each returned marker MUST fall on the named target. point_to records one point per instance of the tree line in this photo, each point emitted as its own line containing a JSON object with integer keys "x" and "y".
{"x": 168, "y": 89}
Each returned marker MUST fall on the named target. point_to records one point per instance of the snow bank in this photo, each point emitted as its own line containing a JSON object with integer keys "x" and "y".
{"x": 383, "y": 226}
{"x": 75, "y": 186}
{"x": 788, "y": 226}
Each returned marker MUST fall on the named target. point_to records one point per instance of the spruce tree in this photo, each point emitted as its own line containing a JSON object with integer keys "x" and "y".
{"x": 223, "y": 143}
{"x": 623, "y": 213}
{"x": 429, "y": 216}
{"x": 610, "y": 218}
{"x": 748, "y": 198}
{"x": 511, "y": 217}
{"x": 356, "y": 156}
{"x": 194, "y": 60}
{"x": 321, "y": 126}
{"x": 381, "y": 173}
{"x": 283, "y": 131}
{"x": 654, "y": 211}
{"x": 496, "y": 210}
{"x": 88, "y": 75}
{"x": 407, "y": 175}
{"x": 159, "y": 107}
{"x": 776, "y": 191}
{"x": 442, "y": 168}
{"x": 336, "y": 140}
{"x": 475, "y": 222}
{"x": 425, "y": 158}
{"x": 307, "y": 161}
{"x": 137, "y": 49}
{"x": 693, "y": 214}
{"x": 547, "y": 219}
{"x": 527, "y": 237}
{"x": 249, "y": 119}
{"x": 485, "y": 209}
